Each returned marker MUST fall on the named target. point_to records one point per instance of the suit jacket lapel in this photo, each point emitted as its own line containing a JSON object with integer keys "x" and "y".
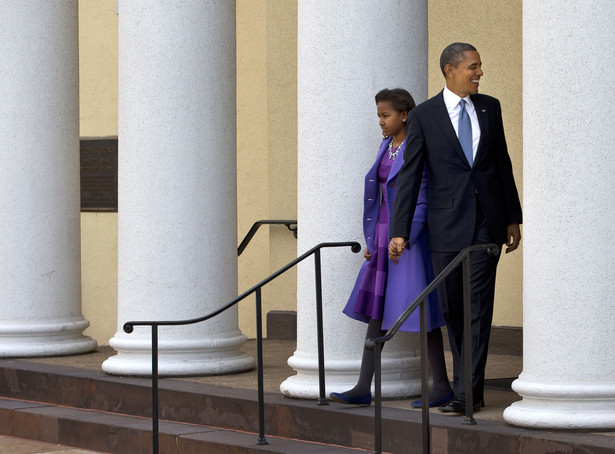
{"x": 483, "y": 121}
{"x": 443, "y": 120}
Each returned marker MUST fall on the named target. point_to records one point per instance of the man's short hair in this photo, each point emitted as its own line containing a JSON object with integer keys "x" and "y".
{"x": 453, "y": 54}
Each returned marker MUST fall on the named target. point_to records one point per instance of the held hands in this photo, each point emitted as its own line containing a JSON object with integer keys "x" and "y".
{"x": 396, "y": 248}
{"x": 366, "y": 254}
{"x": 513, "y": 237}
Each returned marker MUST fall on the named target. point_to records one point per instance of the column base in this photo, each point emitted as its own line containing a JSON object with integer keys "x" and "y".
{"x": 179, "y": 357}
{"x": 32, "y": 338}
{"x": 563, "y": 406}
{"x": 401, "y": 377}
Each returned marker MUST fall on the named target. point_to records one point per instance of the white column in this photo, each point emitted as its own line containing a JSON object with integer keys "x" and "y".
{"x": 177, "y": 186}
{"x": 347, "y": 52}
{"x": 40, "y": 294}
{"x": 568, "y": 378}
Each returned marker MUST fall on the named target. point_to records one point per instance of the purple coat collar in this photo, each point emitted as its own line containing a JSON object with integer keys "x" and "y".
{"x": 399, "y": 161}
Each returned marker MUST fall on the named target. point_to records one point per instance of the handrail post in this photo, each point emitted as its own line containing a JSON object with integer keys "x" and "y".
{"x": 259, "y": 366}
{"x": 463, "y": 259}
{"x": 319, "y": 326}
{"x": 154, "y": 389}
{"x": 467, "y": 340}
{"x": 129, "y": 328}
{"x": 244, "y": 243}
{"x": 378, "y": 396}
{"x": 424, "y": 380}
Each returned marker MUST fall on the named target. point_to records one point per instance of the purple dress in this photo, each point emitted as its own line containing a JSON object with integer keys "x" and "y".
{"x": 384, "y": 290}
{"x": 370, "y": 300}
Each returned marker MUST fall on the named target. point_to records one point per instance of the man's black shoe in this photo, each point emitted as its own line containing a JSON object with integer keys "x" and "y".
{"x": 458, "y": 405}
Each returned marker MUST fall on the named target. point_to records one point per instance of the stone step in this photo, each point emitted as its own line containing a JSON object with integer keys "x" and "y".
{"x": 217, "y": 411}
{"x": 116, "y": 433}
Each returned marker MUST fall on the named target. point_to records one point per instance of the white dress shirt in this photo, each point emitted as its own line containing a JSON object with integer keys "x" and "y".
{"x": 451, "y": 100}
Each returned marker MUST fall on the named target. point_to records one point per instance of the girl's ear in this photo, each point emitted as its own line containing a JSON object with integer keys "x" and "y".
{"x": 404, "y": 117}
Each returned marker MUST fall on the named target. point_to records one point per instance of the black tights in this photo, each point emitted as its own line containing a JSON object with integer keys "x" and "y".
{"x": 435, "y": 350}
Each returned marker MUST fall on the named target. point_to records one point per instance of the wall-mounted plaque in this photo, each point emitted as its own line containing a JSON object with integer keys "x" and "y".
{"x": 99, "y": 174}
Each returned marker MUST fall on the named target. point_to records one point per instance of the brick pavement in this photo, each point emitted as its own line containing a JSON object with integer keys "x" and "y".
{"x": 13, "y": 445}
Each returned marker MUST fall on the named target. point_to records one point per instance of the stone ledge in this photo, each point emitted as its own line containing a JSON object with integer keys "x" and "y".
{"x": 115, "y": 433}
{"x": 505, "y": 340}
{"x": 203, "y": 406}
{"x": 282, "y": 325}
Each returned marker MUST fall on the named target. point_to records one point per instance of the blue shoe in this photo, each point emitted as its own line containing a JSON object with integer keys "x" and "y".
{"x": 364, "y": 400}
{"x": 434, "y": 403}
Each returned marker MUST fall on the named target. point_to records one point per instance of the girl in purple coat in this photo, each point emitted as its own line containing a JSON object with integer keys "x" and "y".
{"x": 384, "y": 289}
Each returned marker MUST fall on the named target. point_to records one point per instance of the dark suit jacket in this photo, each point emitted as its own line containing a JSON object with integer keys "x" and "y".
{"x": 455, "y": 188}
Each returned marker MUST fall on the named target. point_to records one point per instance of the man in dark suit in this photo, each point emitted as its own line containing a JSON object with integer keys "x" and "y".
{"x": 472, "y": 199}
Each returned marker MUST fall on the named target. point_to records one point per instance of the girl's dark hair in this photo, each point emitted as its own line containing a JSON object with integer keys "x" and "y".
{"x": 399, "y": 98}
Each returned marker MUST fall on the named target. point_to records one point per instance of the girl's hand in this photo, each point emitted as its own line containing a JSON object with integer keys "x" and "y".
{"x": 366, "y": 254}
{"x": 396, "y": 248}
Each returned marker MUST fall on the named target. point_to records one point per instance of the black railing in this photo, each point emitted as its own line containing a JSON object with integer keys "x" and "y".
{"x": 291, "y": 224}
{"x": 129, "y": 327}
{"x": 377, "y": 343}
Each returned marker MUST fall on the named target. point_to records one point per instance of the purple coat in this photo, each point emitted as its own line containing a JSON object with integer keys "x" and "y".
{"x": 407, "y": 279}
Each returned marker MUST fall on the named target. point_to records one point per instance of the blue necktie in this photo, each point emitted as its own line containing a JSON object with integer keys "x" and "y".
{"x": 465, "y": 132}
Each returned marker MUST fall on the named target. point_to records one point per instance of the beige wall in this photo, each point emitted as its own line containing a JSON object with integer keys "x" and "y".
{"x": 266, "y": 148}
{"x": 252, "y": 152}
{"x": 494, "y": 28}
{"x": 266, "y": 155}
{"x": 98, "y": 118}
{"x": 282, "y": 132}
{"x": 267, "y": 138}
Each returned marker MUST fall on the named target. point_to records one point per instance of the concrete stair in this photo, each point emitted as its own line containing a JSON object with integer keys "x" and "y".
{"x": 92, "y": 410}
{"x": 118, "y": 433}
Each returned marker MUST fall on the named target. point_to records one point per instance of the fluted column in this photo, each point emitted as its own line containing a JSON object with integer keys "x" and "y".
{"x": 347, "y": 52}
{"x": 568, "y": 378}
{"x": 40, "y": 294}
{"x": 177, "y": 240}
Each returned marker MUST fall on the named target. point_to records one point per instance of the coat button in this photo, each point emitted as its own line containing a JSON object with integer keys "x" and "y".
{"x": 391, "y": 185}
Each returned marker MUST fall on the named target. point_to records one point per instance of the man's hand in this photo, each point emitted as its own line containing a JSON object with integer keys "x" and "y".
{"x": 366, "y": 254}
{"x": 513, "y": 237}
{"x": 396, "y": 248}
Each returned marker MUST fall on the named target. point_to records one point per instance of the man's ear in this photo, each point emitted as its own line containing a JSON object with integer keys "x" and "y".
{"x": 448, "y": 70}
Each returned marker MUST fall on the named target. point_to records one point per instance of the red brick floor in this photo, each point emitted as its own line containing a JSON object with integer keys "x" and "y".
{"x": 12, "y": 445}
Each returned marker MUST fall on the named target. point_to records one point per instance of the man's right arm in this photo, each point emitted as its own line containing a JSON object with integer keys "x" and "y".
{"x": 408, "y": 186}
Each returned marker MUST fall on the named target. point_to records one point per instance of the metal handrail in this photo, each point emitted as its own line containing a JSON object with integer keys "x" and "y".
{"x": 287, "y": 222}
{"x": 376, "y": 344}
{"x": 129, "y": 327}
